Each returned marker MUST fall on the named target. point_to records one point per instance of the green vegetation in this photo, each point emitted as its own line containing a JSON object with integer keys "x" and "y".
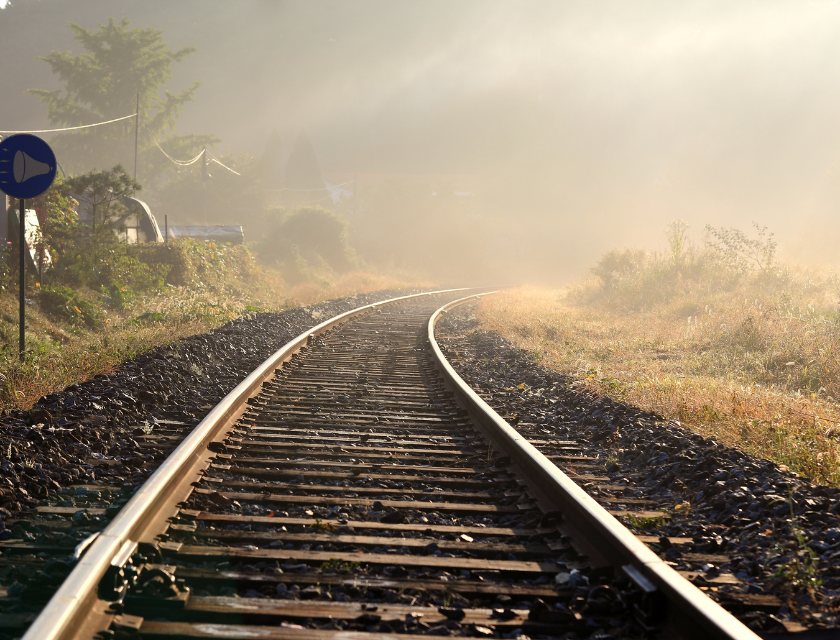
{"x": 797, "y": 570}
{"x": 335, "y": 564}
{"x": 103, "y": 83}
{"x": 636, "y": 279}
{"x": 306, "y": 244}
{"x": 322, "y": 526}
{"x": 645, "y": 523}
{"x": 102, "y": 192}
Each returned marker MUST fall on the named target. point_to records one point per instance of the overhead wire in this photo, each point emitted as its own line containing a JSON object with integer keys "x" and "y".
{"x": 180, "y": 163}
{"x": 83, "y": 126}
{"x": 186, "y": 163}
{"x": 214, "y": 159}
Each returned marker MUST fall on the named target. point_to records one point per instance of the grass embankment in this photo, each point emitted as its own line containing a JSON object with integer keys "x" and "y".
{"x": 746, "y": 356}
{"x": 76, "y": 333}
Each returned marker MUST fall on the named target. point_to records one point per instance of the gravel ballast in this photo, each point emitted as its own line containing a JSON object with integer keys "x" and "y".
{"x": 780, "y": 533}
{"x": 103, "y": 430}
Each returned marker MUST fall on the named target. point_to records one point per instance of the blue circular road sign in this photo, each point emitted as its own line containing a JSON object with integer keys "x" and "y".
{"x": 27, "y": 166}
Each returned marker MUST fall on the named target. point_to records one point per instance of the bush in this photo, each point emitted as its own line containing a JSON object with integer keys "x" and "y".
{"x": 66, "y": 304}
{"x": 635, "y": 279}
{"x": 621, "y": 266}
{"x": 113, "y": 268}
{"x": 306, "y": 242}
{"x": 740, "y": 253}
{"x": 199, "y": 264}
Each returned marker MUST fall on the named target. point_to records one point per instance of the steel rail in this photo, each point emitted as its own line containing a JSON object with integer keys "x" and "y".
{"x": 74, "y": 601}
{"x": 693, "y": 614}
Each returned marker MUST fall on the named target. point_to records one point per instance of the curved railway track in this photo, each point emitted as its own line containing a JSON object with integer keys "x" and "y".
{"x": 353, "y": 486}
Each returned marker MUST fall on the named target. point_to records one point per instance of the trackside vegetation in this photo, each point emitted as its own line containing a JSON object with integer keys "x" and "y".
{"x": 723, "y": 338}
{"x": 104, "y": 301}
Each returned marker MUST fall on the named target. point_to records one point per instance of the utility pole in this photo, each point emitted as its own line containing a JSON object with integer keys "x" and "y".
{"x": 204, "y": 168}
{"x": 136, "y": 131}
{"x": 204, "y": 182}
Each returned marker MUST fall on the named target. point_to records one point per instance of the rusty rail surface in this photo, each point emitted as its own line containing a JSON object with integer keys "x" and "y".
{"x": 358, "y": 483}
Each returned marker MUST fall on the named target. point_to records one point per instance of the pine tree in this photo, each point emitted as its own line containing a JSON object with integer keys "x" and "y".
{"x": 302, "y": 170}
{"x": 120, "y": 63}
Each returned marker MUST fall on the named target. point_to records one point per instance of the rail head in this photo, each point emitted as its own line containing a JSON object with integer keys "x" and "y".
{"x": 67, "y": 610}
{"x": 702, "y": 617}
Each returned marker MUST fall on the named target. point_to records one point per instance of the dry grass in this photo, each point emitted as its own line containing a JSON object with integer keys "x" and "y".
{"x": 62, "y": 354}
{"x": 753, "y": 364}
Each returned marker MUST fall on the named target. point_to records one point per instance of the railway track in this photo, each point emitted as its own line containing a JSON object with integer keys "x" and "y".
{"x": 354, "y": 487}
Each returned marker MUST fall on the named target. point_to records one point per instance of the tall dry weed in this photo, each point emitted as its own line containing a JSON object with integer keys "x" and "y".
{"x": 751, "y": 361}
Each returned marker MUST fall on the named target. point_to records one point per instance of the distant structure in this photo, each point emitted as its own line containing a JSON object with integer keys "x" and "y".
{"x": 141, "y": 225}
{"x": 271, "y": 162}
{"x": 37, "y": 255}
{"x": 303, "y": 184}
{"x": 221, "y": 233}
{"x": 302, "y": 170}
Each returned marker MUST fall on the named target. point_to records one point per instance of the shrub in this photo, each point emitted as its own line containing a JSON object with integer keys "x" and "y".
{"x": 111, "y": 267}
{"x": 307, "y": 242}
{"x": 635, "y": 279}
{"x": 198, "y": 263}
{"x": 620, "y": 266}
{"x": 740, "y": 253}
{"x": 66, "y": 304}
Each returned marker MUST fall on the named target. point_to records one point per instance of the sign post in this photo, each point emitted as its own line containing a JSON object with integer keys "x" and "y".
{"x": 27, "y": 169}
{"x": 22, "y": 267}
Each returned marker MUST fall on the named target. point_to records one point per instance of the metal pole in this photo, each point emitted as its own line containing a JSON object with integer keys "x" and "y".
{"x": 136, "y": 128}
{"x": 166, "y": 232}
{"x": 22, "y": 248}
{"x": 204, "y": 168}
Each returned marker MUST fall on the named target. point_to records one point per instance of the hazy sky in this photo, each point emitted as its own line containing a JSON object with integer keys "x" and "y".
{"x": 596, "y": 121}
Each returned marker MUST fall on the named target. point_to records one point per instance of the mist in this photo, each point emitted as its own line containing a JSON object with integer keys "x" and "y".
{"x": 557, "y": 130}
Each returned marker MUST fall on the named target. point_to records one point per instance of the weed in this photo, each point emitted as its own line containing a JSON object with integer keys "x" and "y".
{"x": 739, "y": 252}
{"x": 150, "y": 317}
{"x": 610, "y": 461}
{"x": 322, "y": 526}
{"x": 677, "y": 234}
{"x": 147, "y": 427}
{"x": 645, "y": 523}
{"x": 799, "y": 572}
{"x": 335, "y": 564}
{"x": 756, "y": 367}
{"x": 68, "y": 305}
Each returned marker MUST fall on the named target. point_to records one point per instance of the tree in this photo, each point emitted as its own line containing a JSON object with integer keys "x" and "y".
{"x": 102, "y": 193}
{"x": 270, "y": 165}
{"x": 61, "y": 221}
{"x": 104, "y": 83}
{"x": 223, "y": 198}
{"x": 302, "y": 170}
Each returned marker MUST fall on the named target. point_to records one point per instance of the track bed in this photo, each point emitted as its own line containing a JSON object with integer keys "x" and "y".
{"x": 353, "y": 495}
